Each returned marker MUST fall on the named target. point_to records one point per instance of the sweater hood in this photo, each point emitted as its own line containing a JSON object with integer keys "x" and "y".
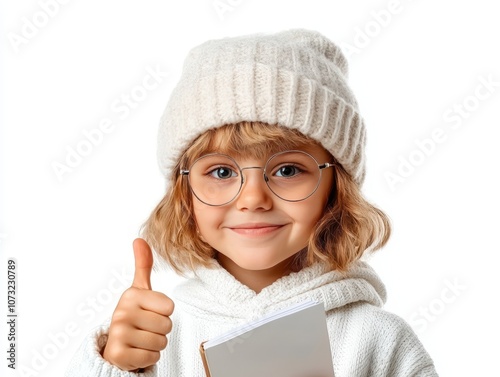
{"x": 216, "y": 291}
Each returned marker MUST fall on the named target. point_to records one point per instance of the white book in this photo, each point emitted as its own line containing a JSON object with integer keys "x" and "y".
{"x": 292, "y": 342}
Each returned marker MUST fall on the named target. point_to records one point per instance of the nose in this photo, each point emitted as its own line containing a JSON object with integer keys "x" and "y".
{"x": 254, "y": 194}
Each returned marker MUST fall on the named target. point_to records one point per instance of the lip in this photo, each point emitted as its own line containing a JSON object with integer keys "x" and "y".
{"x": 255, "y": 229}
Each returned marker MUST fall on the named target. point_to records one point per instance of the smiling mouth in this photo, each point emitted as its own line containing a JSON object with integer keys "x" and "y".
{"x": 256, "y": 230}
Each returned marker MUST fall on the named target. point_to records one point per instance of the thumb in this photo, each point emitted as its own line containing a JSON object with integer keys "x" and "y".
{"x": 143, "y": 264}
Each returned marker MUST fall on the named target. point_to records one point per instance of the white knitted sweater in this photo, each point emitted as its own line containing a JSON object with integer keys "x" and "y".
{"x": 365, "y": 340}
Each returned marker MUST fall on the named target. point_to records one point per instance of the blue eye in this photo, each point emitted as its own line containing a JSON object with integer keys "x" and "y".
{"x": 223, "y": 172}
{"x": 287, "y": 171}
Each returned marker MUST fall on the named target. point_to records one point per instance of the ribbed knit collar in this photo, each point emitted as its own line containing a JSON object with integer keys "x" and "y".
{"x": 216, "y": 291}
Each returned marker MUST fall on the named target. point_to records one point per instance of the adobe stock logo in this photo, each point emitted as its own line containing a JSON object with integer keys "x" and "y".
{"x": 431, "y": 312}
{"x": 223, "y": 6}
{"x": 454, "y": 117}
{"x": 57, "y": 341}
{"x": 33, "y": 25}
{"x": 122, "y": 106}
{"x": 379, "y": 20}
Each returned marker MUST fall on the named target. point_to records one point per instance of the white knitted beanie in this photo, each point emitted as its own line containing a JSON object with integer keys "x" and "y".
{"x": 295, "y": 78}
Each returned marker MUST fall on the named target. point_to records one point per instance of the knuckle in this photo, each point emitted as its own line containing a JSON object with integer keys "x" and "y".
{"x": 119, "y": 333}
{"x": 155, "y": 357}
{"x": 172, "y": 306}
{"x": 168, "y": 303}
{"x": 144, "y": 358}
{"x": 167, "y": 325}
{"x": 140, "y": 359}
{"x": 129, "y": 294}
{"x": 163, "y": 343}
{"x": 120, "y": 315}
{"x": 114, "y": 354}
{"x": 164, "y": 325}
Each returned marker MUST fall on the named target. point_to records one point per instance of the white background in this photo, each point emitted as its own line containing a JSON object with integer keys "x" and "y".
{"x": 71, "y": 237}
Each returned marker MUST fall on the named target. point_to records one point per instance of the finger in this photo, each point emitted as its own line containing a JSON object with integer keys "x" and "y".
{"x": 145, "y": 340}
{"x": 153, "y": 322}
{"x": 134, "y": 358}
{"x": 141, "y": 358}
{"x": 136, "y": 300}
{"x": 143, "y": 264}
{"x": 155, "y": 302}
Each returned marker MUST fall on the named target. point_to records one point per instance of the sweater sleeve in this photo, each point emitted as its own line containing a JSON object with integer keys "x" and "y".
{"x": 399, "y": 351}
{"x": 88, "y": 362}
{"x": 368, "y": 341}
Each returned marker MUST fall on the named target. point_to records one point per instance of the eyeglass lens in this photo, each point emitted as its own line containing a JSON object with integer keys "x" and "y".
{"x": 217, "y": 179}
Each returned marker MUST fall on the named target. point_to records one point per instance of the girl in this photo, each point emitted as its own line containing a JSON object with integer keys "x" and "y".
{"x": 262, "y": 146}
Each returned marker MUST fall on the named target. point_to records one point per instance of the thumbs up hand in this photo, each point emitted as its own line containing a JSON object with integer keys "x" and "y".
{"x": 141, "y": 320}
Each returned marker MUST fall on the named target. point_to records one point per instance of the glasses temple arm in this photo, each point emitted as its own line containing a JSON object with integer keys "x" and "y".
{"x": 326, "y": 165}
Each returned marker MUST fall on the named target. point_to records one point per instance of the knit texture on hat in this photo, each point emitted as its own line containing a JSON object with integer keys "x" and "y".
{"x": 295, "y": 78}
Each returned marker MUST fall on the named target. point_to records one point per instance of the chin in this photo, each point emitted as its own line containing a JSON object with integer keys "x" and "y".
{"x": 258, "y": 266}
{"x": 262, "y": 263}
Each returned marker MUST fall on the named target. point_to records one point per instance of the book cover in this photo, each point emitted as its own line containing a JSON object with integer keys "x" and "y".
{"x": 292, "y": 342}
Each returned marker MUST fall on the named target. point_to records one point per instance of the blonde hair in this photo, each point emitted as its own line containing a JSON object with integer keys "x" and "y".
{"x": 350, "y": 225}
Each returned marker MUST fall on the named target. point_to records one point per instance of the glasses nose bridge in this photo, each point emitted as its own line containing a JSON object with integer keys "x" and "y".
{"x": 252, "y": 167}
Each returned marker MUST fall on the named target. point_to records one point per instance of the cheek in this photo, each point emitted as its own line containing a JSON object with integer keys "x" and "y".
{"x": 324, "y": 192}
{"x": 311, "y": 210}
{"x": 307, "y": 214}
{"x": 207, "y": 218}
{"x": 314, "y": 212}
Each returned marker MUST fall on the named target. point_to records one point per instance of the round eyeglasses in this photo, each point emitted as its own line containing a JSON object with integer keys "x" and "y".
{"x": 216, "y": 179}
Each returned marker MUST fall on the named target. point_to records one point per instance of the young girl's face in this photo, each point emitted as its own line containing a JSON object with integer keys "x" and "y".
{"x": 257, "y": 230}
